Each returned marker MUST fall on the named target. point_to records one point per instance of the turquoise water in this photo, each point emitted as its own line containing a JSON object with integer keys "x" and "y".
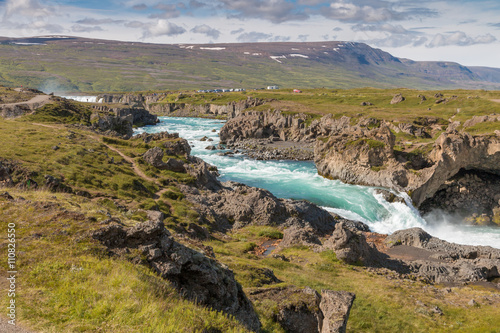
{"x": 299, "y": 180}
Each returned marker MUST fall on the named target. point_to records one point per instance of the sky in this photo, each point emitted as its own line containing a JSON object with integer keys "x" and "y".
{"x": 463, "y": 31}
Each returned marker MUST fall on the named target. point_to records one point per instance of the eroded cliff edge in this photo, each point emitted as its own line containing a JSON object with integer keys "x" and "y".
{"x": 364, "y": 151}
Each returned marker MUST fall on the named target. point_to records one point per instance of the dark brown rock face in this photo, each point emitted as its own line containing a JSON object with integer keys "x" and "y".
{"x": 304, "y": 310}
{"x": 234, "y": 205}
{"x": 196, "y": 276}
{"x": 5, "y": 179}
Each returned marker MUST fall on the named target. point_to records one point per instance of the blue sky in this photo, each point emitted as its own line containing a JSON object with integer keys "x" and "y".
{"x": 464, "y": 31}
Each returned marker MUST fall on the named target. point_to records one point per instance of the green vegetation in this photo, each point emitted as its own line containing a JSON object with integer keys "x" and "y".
{"x": 69, "y": 284}
{"x": 61, "y": 111}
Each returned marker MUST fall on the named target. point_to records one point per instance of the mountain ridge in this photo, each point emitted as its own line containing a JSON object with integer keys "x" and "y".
{"x": 65, "y": 63}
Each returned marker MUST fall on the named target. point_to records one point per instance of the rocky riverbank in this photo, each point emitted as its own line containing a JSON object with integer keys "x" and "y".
{"x": 363, "y": 151}
{"x": 413, "y": 252}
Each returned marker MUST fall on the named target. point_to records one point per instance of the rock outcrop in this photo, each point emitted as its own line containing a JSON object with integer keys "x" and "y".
{"x": 305, "y": 310}
{"x": 179, "y": 109}
{"x": 367, "y": 157}
{"x": 120, "y": 121}
{"x": 364, "y": 152}
{"x": 5, "y": 178}
{"x": 439, "y": 261}
{"x": 233, "y": 205}
{"x": 196, "y": 277}
{"x": 154, "y": 156}
{"x": 335, "y": 306}
{"x": 350, "y": 246}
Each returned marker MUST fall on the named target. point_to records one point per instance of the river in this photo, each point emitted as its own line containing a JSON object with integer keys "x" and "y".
{"x": 299, "y": 180}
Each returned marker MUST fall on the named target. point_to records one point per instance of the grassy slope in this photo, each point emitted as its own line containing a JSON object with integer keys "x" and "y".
{"x": 68, "y": 284}
{"x": 54, "y": 251}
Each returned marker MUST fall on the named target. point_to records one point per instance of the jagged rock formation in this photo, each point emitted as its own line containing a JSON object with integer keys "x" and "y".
{"x": 350, "y": 245}
{"x": 154, "y": 156}
{"x": 233, "y": 205}
{"x": 129, "y": 99}
{"x": 120, "y": 121}
{"x": 363, "y": 153}
{"x": 195, "y": 276}
{"x": 414, "y": 253}
{"x": 258, "y": 125}
{"x": 304, "y": 310}
{"x": 439, "y": 261}
{"x": 179, "y": 109}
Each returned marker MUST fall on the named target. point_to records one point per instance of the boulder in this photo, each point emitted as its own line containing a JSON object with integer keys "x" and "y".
{"x": 5, "y": 179}
{"x": 397, "y": 99}
{"x": 297, "y": 309}
{"x": 56, "y": 185}
{"x": 304, "y": 310}
{"x": 179, "y": 147}
{"x": 296, "y": 235}
{"x": 196, "y": 277}
{"x": 154, "y": 156}
{"x": 335, "y": 306}
{"x": 350, "y": 245}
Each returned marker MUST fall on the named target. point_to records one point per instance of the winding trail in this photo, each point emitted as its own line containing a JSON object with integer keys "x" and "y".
{"x": 130, "y": 160}
{"x": 38, "y": 99}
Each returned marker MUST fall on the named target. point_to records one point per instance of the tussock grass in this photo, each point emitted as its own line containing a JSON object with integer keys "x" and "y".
{"x": 67, "y": 283}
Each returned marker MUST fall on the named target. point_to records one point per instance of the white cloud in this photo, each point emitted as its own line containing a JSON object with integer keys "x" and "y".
{"x": 206, "y": 30}
{"x": 27, "y": 8}
{"x": 459, "y": 38}
{"x": 162, "y": 28}
{"x": 82, "y": 28}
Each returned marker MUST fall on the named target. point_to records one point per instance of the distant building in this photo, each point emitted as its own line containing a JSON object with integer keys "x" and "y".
{"x": 272, "y": 87}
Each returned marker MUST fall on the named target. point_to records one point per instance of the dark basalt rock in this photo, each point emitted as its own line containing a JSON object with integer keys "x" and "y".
{"x": 305, "y": 310}
{"x": 196, "y": 277}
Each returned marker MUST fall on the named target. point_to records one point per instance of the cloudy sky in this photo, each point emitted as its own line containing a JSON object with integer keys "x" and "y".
{"x": 465, "y": 31}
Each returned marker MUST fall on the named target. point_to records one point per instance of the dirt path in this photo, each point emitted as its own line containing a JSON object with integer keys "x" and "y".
{"x": 495, "y": 100}
{"x": 38, "y": 99}
{"x": 130, "y": 160}
{"x": 5, "y": 327}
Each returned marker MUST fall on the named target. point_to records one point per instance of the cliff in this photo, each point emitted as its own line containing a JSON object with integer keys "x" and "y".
{"x": 363, "y": 151}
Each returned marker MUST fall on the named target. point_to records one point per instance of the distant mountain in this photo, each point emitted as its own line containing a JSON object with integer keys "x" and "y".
{"x": 63, "y": 63}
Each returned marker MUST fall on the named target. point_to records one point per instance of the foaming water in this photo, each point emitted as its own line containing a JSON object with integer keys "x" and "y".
{"x": 89, "y": 99}
{"x": 300, "y": 180}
